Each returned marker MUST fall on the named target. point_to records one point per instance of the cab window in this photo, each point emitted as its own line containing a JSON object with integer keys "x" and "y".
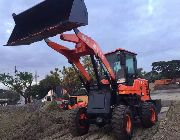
{"x": 130, "y": 64}
{"x": 115, "y": 64}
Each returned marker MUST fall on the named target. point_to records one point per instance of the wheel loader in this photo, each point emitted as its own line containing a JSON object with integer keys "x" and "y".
{"x": 117, "y": 97}
{"x": 77, "y": 102}
{"x": 76, "y": 99}
{"x": 73, "y": 102}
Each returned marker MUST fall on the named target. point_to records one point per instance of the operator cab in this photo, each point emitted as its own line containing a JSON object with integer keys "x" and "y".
{"x": 124, "y": 65}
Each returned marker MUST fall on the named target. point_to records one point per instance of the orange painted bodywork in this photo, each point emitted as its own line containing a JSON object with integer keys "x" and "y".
{"x": 163, "y": 82}
{"x": 71, "y": 56}
{"x": 139, "y": 87}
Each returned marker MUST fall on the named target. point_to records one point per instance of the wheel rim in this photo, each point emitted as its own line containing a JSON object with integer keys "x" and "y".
{"x": 153, "y": 115}
{"x": 82, "y": 116}
{"x": 82, "y": 120}
{"x": 128, "y": 124}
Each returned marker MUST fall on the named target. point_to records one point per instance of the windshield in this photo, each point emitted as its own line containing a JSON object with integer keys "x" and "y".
{"x": 115, "y": 64}
{"x": 130, "y": 64}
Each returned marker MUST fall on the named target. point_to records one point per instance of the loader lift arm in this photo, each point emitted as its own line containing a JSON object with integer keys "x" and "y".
{"x": 84, "y": 45}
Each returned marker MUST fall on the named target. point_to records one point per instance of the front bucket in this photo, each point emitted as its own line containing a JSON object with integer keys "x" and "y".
{"x": 47, "y": 19}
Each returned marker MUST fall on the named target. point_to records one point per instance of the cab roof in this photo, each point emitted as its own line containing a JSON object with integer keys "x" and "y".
{"x": 120, "y": 49}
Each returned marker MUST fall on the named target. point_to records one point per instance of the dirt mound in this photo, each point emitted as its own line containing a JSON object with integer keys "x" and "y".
{"x": 34, "y": 123}
{"x": 30, "y": 123}
{"x": 168, "y": 127}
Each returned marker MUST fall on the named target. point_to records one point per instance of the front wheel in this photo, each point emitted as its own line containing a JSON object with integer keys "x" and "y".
{"x": 148, "y": 114}
{"x": 79, "y": 124}
{"x": 122, "y": 122}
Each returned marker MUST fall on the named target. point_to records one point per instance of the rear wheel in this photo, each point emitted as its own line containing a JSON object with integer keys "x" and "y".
{"x": 79, "y": 124}
{"x": 122, "y": 122}
{"x": 148, "y": 115}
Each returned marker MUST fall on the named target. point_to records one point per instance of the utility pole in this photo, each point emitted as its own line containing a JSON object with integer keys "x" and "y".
{"x": 15, "y": 70}
{"x": 36, "y": 77}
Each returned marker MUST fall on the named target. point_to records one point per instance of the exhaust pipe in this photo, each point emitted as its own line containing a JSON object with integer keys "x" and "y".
{"x": 47, "y": 19}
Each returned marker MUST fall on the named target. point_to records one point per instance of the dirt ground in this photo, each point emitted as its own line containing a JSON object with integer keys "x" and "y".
{"x": 173, "y": 94}
{"x": 37, "y": 122}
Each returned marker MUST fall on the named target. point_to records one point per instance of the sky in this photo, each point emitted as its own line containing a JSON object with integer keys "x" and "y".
{"x": 151, "y": 28}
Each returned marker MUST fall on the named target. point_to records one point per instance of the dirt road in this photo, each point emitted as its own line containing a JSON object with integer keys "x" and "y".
{"x": 34, "y": 123}
{"x": 173, "y": 94}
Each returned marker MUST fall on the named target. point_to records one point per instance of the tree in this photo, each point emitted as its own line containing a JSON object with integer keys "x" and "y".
{"x": 169, "y": 69}
{"x": 70, "y": 78}
{"x": 86, "y": 61}
{"x": 37, "y": 92}
{"x": 141, "y": 73}
{"x": 50, "y": 82}
{"x": 152, "y": 76}
{"x": 20, "y": 83}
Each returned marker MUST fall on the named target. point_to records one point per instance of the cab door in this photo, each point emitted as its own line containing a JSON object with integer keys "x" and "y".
{"x": 131, "y": 68}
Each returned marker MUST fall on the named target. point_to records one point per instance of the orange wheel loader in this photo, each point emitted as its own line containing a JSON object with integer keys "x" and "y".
{"x": 117, "y": 97}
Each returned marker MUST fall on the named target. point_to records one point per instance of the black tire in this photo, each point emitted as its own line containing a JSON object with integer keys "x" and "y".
{"x": 148, "y": 114}
{"x": 78, "y": 127}
{"x": 65, "y": 107}
{"x": 120, "y": 118}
